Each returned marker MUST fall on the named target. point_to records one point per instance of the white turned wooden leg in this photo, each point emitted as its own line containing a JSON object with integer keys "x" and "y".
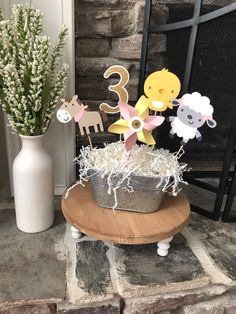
{"x": 75, "y": 233}
{"x": 163, "y": 246}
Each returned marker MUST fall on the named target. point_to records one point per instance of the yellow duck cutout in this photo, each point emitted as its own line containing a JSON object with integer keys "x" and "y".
{"x": 160, "y": 88}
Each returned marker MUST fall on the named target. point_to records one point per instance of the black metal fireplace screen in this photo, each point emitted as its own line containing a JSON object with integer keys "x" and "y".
{"x": 201, "y": 50}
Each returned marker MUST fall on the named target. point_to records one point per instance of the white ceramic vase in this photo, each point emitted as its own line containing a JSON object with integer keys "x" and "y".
{"x": 33, "y": 186}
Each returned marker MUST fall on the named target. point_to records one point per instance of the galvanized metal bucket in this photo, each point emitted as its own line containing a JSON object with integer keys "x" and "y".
{"x": 146, "y": 197}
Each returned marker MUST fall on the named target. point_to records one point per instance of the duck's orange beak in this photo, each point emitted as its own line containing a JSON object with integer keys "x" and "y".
{"x": 161, "y": 90}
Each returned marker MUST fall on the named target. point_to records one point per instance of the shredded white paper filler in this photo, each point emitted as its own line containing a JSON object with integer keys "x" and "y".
{"x": 111, "y": 162}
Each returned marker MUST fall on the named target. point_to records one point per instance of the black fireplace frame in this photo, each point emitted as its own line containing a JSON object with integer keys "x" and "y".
{"x": 227, "y": 183}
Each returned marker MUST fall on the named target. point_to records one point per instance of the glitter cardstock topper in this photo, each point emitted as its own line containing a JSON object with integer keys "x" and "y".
{"x": 135, "y": 125}
{"x": 119, "y": 88}
{"x": 160, "y": 88}
{"x": 193, "y": 111}
{"x": 87, "y": 120}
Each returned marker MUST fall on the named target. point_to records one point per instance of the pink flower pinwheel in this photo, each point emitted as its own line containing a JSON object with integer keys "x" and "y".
{"x": 135, "y": 125}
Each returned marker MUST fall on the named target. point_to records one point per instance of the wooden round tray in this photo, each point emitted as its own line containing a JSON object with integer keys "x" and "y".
{"x": 124, "y": 227}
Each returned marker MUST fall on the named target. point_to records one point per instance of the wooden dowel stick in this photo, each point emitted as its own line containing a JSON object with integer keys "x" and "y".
{"x": 181, "y": 147}
{"x": 90, "y": 142}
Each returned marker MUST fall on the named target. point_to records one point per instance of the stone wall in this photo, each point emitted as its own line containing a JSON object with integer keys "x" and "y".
{"x": 109, "y": 32}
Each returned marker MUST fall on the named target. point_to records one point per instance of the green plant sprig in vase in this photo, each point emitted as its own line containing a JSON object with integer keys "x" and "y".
{"x": 31, "y": 81}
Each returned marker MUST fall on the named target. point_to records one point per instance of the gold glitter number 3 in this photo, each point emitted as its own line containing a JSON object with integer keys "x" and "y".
{"x": 118, "y": 88}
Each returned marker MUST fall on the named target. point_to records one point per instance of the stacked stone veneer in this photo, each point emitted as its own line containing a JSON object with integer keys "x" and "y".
{"x": 109, "y": 32}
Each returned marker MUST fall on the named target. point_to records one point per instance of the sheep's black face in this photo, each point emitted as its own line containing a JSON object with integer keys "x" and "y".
{"x": 190, "y": 117}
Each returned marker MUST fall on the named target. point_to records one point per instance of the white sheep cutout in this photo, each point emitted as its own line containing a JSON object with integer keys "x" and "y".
{"x": 194, "y": 110}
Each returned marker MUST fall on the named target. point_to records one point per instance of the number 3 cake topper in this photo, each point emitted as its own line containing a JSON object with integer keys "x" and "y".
{"x": 118, "y": 88}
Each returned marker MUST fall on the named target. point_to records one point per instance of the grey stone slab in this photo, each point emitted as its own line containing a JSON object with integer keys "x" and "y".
{"x": 104, "y": 309}
{"x": 90, "y": 47}
{"x": 140, "y": 267}
{"x": 31, "y": 309}
{"x": 92, "y": 267}
{"x": 110, "y": 306}
{"x": 88, "y": 272}
{"x": 122, "y": 23}
{"x": 224, "y": 304}
{"x": 144, "y": 267}
{"x": 32, "y": 266}
{"x": 173, "y": 302}
{"x": 93, "y": 24}
{"x": 220, "y": 241}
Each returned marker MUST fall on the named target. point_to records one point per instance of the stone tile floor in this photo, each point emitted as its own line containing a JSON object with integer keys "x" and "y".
{"x": 32, "y": 266}
{"x": 50, "y": 272}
